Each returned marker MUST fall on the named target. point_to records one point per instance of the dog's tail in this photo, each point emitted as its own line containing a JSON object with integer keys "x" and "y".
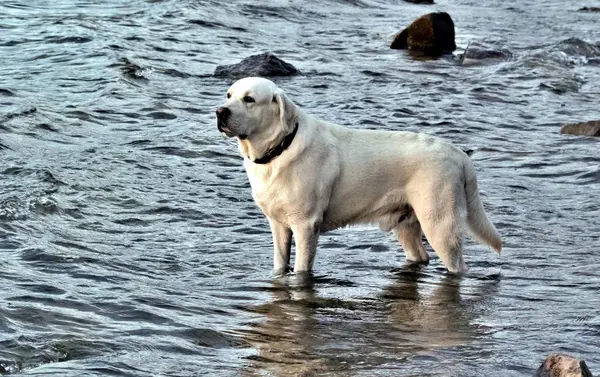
{"x": 480, "y": 226}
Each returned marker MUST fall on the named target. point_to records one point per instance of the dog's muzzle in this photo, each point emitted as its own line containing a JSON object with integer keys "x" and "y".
{"x": 223, "y": 114}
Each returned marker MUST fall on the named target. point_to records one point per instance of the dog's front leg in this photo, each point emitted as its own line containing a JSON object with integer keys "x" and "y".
{"x": 306, "y": 236}
{"x": 282, "y": 243}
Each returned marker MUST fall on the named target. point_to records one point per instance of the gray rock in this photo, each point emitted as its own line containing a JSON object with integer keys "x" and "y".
{"x": 590, "y": 9}
{"x": 131, "y": 70}
{"x": 594, "y": 61}
{"x": 567, "y": 84}
{"x": 577, "y": 47}
{"x": 478, "y": 54}
{"x": 591, "y": 128}
{"x": 264, "y": 65}
{"x": 557, "y": 365}
{"x": 481, "y": 52}
{"x": 431, "y": 34}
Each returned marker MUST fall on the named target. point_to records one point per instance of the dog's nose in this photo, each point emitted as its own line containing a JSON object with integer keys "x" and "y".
{"x": 223, "y": 113}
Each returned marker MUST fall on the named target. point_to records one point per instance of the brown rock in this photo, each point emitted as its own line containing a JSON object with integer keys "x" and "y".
{"x": 400, "y": 41}
{"x": 583, "y": 129}
{"x": 431, "y": 34}
{"x": 557, "y": 365}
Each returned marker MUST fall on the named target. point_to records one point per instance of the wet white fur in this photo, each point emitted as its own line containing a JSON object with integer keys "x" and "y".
{"x": 332, "y": 176}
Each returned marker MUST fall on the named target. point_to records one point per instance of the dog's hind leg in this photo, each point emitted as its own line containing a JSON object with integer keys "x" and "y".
{"x": 442, "y": 225}
{"x": 408, "y": 233}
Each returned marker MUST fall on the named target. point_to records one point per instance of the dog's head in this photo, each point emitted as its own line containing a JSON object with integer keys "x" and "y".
{"x": 255, "y": 108}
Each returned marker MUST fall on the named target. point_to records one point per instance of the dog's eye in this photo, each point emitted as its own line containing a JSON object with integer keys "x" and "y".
{"x": 248, "y": 99}
{"x": 228, "y": 95}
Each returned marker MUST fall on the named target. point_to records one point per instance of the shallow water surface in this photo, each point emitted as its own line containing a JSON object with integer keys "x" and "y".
{"x": 130, "y": 243}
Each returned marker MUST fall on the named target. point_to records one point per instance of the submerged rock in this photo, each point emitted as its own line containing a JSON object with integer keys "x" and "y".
{"x": 557, "y": 365}
{"x": 569, "y": 83}
{"x": 131, "y": 70}
{"x": 583, "y": 129}
{"x": 594, "y": 61}
{"x": 481, "y": 52}
{"x": 590, "y": 9}
{"x": 264, "y": 65}
{"x": 431, "y": 34}
{"x": 574, "y": 47}
{"x": 420, "y": 1}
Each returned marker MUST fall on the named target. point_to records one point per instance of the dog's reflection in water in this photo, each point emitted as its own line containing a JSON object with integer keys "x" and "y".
{"x": 306, "y": 332}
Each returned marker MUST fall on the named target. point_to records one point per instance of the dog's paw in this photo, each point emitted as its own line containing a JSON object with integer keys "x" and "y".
{"x": 279, "y": 272}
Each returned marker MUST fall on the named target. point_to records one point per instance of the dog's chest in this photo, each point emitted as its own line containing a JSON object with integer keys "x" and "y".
{"x": 269, "y": 194}
{"x": 274, "y": 202}
{"x": 279, "y": 196}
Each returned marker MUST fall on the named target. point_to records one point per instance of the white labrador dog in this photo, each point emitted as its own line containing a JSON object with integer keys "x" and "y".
{"x": 309, "y": 176}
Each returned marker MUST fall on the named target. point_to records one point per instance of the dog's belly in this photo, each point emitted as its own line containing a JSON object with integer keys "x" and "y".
{"x": 386, "y": 217}
{"x": 366, "y": 193}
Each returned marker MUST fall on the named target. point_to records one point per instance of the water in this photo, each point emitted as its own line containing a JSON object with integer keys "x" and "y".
{"x": 130, "y": 245}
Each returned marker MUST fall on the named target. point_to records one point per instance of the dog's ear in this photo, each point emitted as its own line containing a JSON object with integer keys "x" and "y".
{"x": 287, "y": 110}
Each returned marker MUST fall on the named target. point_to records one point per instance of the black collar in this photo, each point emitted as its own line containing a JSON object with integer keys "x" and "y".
{"x": 287, "y": 141}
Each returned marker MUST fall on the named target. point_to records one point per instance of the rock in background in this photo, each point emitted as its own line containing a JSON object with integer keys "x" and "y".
{"x": 431, "y": 34}
{"x": 591, "y": 128}
{"x": 557, "y": 365}
{"x": 264, "y": 65}
{"x": 481, "y": 52}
